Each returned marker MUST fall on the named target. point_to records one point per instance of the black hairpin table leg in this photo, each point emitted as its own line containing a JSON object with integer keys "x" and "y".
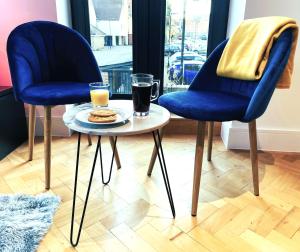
{"x": 111, "y": 163}
{"x": 98, "y": 148}
{"x": 163, "y": 167}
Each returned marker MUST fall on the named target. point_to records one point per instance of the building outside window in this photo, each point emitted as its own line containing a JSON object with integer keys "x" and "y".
{"x": 111, "y": 41}
{"x": 185, "y": 48}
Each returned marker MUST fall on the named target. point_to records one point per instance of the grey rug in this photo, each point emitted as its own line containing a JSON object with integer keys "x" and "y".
{"x": 24, "y": 220}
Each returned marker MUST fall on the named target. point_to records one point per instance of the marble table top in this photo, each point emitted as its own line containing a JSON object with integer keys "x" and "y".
{"x": 157, "y": 118}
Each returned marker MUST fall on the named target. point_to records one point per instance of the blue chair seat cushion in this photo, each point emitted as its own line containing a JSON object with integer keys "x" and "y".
{"x": 56, "y": 93}
{"x": 205, "y": 105}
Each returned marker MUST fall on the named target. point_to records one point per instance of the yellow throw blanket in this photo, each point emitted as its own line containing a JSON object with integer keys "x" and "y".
{"x": 247, "y": 51}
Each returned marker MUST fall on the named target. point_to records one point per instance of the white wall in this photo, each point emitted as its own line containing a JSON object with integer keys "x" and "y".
{"x": 92, "y": 13}
{"x": 279, "y": 127}
{"x": 63, "y": 12}
{"x": 236, "y": 15}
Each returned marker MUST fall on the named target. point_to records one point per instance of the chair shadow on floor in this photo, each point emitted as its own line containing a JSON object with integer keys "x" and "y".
{"x": 229, "y": 174}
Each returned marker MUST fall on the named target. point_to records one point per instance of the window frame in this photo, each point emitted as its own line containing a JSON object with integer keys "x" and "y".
{"x": 148, "y": 28}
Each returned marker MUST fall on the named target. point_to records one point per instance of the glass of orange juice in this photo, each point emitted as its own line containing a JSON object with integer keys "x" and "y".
{"x": 99, "y": 92}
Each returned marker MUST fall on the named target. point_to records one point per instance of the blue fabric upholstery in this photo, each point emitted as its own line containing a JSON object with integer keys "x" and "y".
{"x": 50, "y": 64}
{"x": 214, "y": 98}
{"x": 212, "y": 106}
{"x": 53, "y": 93}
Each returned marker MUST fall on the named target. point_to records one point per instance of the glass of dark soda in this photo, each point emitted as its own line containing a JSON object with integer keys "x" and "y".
{"x": 143, "y": 87}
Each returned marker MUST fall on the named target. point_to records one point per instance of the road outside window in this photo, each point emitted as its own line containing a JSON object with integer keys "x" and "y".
{"x": 186, "y": 34}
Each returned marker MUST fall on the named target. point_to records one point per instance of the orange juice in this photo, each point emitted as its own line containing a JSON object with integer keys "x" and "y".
{"x": 99, "y": 97}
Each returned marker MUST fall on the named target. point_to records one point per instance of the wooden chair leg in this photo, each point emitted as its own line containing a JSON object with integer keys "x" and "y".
{"x": 253, "y": 155}
{"x": 154, "y": 155}
{"x": 89, "y": 140}
{"x": 47, "y": 145}
{"x": 198, "y": 165}
{"x": 31, "y": 131}
{"x": 210, "y": 140}
{"x": 117, "y": 158}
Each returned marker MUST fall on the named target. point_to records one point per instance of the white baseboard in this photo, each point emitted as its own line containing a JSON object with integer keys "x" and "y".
{"x": 267, "y": 139}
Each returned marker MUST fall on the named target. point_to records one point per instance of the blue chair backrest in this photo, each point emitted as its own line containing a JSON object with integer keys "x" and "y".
{"x": 43, "y": 51}
{"x": 259, "y": 92}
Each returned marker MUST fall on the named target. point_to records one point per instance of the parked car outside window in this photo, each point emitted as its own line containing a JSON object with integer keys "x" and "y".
{"x": 171, "y": 49}
{"x": 190, "y": 69}
{"x": 176, "y": 57}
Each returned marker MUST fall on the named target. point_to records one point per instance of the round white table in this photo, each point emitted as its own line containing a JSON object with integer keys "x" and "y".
{"x": 157, "y": 119}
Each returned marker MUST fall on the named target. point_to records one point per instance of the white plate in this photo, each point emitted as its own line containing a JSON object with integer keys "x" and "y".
{"x": 82, "y": 117}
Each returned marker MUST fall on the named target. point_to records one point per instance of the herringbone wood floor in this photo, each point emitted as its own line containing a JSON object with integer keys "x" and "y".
{"x": 132, "y": 213}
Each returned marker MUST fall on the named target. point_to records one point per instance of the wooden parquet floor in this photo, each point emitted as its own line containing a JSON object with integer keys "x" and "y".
{"x": 132, "y": 213}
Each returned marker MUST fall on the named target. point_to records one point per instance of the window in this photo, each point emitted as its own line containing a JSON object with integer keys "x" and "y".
{"x": 169, "y": 39}
{"x": 111, "y": 41}
{"x": 186, "y": 35}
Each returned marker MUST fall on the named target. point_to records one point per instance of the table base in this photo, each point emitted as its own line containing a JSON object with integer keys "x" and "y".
{"x": 162, "y": 162}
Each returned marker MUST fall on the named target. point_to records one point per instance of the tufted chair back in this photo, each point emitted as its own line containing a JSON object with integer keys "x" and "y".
{"x": 259, "y": 92}
{"x": 43, "y": 51}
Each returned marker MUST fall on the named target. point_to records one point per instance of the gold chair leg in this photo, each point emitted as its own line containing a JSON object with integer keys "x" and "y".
{"x": 198, "y": 165}
{"x": 47, "y": 145}
{"x": 154, "y": 155}
{"x": 210, "y": 140}
{"x": 253, "y": 155}
{"x": 117, "y": 158}
{"x": 89, "y": 140}
{"x": 31, "y": 131}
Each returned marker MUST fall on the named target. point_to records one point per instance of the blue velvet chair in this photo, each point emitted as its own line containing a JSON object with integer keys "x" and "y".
{"x": 50, "y": 64}
{"x": 213, "y": 98}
